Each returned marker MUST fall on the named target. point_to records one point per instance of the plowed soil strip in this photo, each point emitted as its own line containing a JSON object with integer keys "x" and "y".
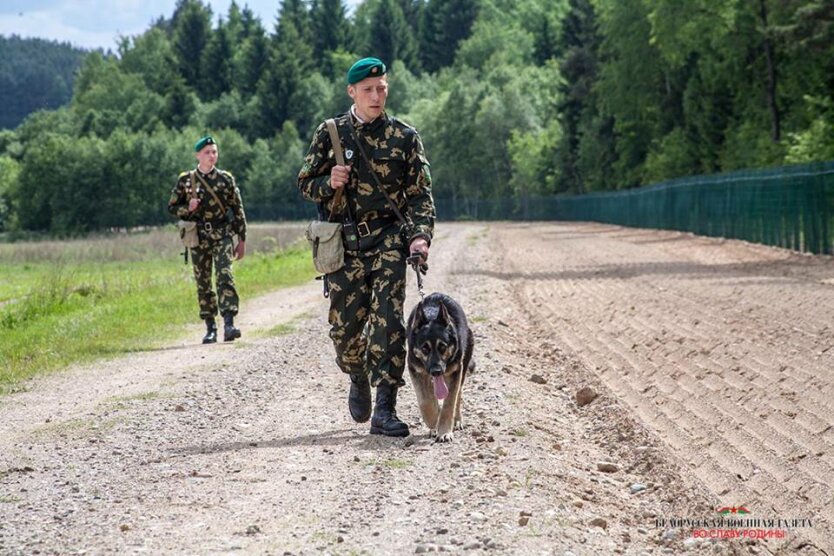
{"x": 720, "y": 347}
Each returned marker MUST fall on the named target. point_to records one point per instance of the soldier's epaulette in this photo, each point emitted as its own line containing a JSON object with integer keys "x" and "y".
{"x": 225, "y": 174}
{"x": 341, "y": 119}
{"x": 183, "y": 174}
{"x": 404, "y": 124}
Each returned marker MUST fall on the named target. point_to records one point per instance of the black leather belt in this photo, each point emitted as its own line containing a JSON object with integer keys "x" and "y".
{"x": 209, "y": 225}
{"x": 366, "y": 228}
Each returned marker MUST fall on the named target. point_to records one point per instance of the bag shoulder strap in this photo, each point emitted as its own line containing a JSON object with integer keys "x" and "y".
{"x": 340, "y": 159}
{"x": 210, "y": 190}
{"x": 373, "y": 174}
{"x": 335, "y": 142}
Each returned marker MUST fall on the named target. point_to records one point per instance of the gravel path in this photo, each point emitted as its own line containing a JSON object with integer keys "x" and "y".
{"x": 711, "y": 360}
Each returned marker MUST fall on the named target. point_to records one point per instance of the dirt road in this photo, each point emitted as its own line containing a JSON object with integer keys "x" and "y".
{"x": 712, "y": 360}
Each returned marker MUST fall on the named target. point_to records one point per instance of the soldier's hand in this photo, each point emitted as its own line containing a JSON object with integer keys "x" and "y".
{"x": 421, "y": 246}
{"x": 193, "y": 204}
{"x": 240, "y": 250}
{"x": 339, "y": 176}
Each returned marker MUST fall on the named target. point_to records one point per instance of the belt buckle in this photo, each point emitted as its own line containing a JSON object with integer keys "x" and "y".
{"x": 363, "y": 230}
{"x": 207, "y": 226}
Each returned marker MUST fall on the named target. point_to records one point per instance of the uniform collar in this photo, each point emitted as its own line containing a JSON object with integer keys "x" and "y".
{"x": 359, "y": 123}
{"x": 208, "y": 174}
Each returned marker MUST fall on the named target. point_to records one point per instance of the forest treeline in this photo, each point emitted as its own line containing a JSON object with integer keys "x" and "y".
{"x": 513, "y": 98}
{"x": 34, "y": 74}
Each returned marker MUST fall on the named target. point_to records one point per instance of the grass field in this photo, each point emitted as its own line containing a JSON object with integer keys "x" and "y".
{"x": 63, "y": 302}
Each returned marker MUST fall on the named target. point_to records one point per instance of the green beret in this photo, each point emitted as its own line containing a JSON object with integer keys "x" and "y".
{"x": 366, "y": 67}
{"x": 202, "y": 142}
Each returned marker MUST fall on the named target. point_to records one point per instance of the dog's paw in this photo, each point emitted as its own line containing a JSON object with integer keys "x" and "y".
{"x": 445, "y": 437}
{"x": 458, "y": 425}
{"x": 432, "y": 433}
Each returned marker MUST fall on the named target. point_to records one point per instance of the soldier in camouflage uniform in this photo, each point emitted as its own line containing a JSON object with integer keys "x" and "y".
{"x": 370, "y": 289}
{"x": 218, "y": 217}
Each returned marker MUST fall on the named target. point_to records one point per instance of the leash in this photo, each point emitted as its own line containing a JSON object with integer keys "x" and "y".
{"x": 420, "y": 268}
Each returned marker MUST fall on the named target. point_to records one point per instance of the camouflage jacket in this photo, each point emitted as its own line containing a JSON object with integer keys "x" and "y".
{"x": 396, "y": 153}
{"x": 212, "y": 223}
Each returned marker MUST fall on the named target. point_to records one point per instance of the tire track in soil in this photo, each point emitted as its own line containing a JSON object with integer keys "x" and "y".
{"x": 721, "y": 364}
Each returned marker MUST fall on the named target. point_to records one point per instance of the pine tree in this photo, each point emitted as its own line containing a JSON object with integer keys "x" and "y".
{"x": 294, "y": 14}
{"x": 249, "y": 23}
{"x": 192, "y": 30}
{"x": 234, "y": 25}
{"x": 331, "y": 31}
{"x": 392, "y": 38}
{"x": 290, "y": 59}
{"x": 216, "y": 72}
{"x": 251, "y": 60}
{"x": 445, "y": 23}
{"x": 578, "y": 65}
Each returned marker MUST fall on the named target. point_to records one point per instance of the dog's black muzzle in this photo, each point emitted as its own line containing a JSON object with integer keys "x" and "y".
{"x": 437, "y": 370}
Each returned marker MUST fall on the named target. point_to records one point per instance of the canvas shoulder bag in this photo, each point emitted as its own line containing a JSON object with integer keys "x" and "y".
{"x": 325, "y": 237}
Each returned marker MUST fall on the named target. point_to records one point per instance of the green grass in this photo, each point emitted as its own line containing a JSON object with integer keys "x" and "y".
{"x": 54, "y": 313}
{"x": 283, "y": 328}
{"x": 397, "y": 463}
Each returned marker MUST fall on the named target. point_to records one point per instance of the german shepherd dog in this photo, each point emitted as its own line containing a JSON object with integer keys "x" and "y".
{"x": 440, "y": 348}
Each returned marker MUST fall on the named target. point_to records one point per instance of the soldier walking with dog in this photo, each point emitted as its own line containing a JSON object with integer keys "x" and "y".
{"x": 388, "y": 213}
{"x": 210, "y": 197}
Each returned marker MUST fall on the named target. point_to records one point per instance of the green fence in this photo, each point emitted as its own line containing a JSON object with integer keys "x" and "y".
{"x": 789, "y": 207}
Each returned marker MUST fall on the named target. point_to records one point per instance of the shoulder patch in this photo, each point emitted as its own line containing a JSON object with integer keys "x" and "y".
{"x": 225, "y": 173}
{"x": 183, "y": 174}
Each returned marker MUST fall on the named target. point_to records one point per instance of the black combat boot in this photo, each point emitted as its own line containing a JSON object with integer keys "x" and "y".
{"x": 211, "y": 332}
{"x": 384, "y": 420}
{"x": 229, "y": 330}
{"x": 359, "y": 399}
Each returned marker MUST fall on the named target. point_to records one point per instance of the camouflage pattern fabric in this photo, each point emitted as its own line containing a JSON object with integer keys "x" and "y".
{"x": 215, "y": 232}
{"x": 220, "y": 255}
{"x": 396, "y": 153}
{"x": 371, "y": 287}
{"x": 370, "y": 290}
{"x": 224, "y": 186}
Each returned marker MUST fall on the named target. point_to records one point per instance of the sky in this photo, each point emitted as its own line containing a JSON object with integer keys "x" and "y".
{"x": 99, "y": 23}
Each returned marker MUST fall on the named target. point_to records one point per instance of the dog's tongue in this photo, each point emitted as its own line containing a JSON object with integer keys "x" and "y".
{"x": 440, "y": 389}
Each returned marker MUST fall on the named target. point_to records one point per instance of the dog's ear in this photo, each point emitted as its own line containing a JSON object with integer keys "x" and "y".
{"x": 419, "y": 316}
{"x": 444, "y": 314}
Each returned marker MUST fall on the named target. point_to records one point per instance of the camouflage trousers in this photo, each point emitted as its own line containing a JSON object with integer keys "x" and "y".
{"x": 218, "y": 253}
{"x": 369, "y": 292}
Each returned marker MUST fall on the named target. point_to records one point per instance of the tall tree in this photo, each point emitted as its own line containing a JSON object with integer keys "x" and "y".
{"x": 392, "y": 38}
{"x": 217, "y": 64}
{"x": 578, "y": 65}
{"x": 331, "y": 31}
{"x": 290, "y": 59}
{"x": 150, "y": 55}
{"x": 294, "y": 14}
{"x": 445, "y": 23}
{"x": 234, "y": 24}
{"x": 192, "y": 31}
{"x": 251, "y": 59}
